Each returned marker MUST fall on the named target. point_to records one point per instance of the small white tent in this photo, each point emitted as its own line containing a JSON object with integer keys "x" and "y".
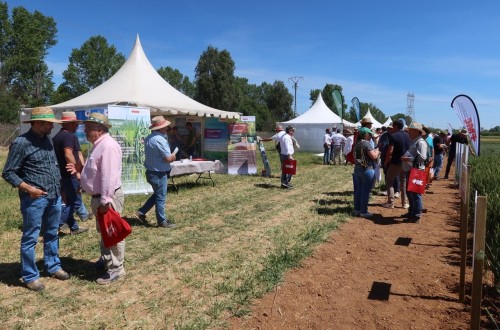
{"x": 387, "y": 122}
{"x": 369, "y": 115}
{"x": 138, "y": 83}
{"x": 311, "y": 125}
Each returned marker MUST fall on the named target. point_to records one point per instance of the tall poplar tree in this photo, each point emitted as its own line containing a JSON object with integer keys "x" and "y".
{"x": 215, "y": 81}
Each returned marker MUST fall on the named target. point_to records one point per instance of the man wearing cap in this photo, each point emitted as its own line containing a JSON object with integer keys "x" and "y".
{"x": 101, "y": 178}
{"x": 31, "y": 166}
{"x": 439, "y": 143}
{"x": 416, "y": 156}
{"x": 67, "y": 149}
{"x": 276, "y": 137}
{"x": 157, "y": 163}
{"x": 460, "y": 137}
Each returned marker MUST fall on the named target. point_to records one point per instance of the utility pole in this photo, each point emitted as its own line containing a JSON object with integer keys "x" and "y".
{"x": 295, "y": 80}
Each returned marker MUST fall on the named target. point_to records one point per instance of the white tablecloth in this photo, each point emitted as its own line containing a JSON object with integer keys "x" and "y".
{"x": 190, "y": 167}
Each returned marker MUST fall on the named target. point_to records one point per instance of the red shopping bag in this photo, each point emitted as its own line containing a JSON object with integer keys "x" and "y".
{"x": 113, "y": 228}
{"x": 417, "y": 181}
{"x": 290, "y": 166}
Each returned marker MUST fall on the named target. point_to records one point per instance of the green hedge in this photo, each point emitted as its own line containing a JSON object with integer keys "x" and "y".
{"x": 485, "y": 180}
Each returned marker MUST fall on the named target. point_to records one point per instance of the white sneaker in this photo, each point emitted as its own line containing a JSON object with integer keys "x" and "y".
{"x": 396, "y": 195}
{"x": 406, "y": 206}
{"x": 366, "y": 215}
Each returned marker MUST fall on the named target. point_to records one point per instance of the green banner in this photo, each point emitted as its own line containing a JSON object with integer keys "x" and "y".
{"x": 337, "y": 99}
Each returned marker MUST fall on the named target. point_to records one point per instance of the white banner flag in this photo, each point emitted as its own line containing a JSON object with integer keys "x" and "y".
{"x": 467, "y": 112}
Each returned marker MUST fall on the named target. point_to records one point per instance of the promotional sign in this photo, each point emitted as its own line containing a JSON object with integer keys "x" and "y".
{"x": 467, "y": 112}
{"x": 355, "y": 105}
{"x": 215, "y": 139}
{"x": 337, "y": 99}
{"x": 242, "y": 146}
{"x": 130, "y": 126}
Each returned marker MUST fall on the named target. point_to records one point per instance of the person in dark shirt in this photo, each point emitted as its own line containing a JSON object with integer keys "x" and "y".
{"x": 460, "y": 137}
{"x": 440, "y": 147}
{"x": 31, "y": 167}
{"x": 399, "y": 142}
{"x": 67, "y": 149}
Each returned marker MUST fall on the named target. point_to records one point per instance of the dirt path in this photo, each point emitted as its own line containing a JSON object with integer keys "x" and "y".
{"x": 362, "y": 279}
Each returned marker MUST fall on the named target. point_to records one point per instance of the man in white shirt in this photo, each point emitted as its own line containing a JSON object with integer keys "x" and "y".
{"x": 338, "y": 140}
{"x": 286, "y": 153}
{"x": 327, "y": 142}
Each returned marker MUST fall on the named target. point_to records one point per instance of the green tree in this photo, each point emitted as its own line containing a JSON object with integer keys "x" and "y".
{"x": 402, "y": 115}
{"x": 215, "y": 81}
{"x": 253, "y": 103}
{"x": 90, "y": 66}
{"x": 25, "y": 40}
{"x": 279, "y": 100}
{"x": 177, "y": 80}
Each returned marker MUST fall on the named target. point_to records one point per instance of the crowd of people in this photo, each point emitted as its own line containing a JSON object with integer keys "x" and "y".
{"x": 397, "y": 149}
{"x": 50, "y": 178}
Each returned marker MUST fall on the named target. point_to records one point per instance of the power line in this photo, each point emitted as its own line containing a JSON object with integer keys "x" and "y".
{"x": 295, "y": 81}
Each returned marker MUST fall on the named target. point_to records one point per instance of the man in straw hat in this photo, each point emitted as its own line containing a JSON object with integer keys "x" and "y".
{"x": 276, "y": 137}
{"x": 415, "y": 157}
{"x": 157, "y": 163}
{"x": 31, "y": 166}
{"x": 67, "y": 149}
{"x": 101, "y": 178}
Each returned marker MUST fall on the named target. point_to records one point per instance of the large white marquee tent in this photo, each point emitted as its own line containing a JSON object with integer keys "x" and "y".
{"x": 311, "y": 125}
{"x": 137, "y": 83}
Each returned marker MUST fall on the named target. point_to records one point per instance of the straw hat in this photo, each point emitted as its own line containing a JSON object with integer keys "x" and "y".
{"x": 42, "y": 114}
{"x": 69, "y": 117}
{"x": 98, "y": 118}
{"x": 416, "y": 126}
{"x": 366, "y": 121}
{"x": 158, "y": 122}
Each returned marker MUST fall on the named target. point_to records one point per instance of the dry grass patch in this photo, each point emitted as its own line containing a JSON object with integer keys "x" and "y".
{"x": 233, "y": 243}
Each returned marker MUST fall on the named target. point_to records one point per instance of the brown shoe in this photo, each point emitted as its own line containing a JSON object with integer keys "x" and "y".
{"x": 79, "y": 231}
{"x": 60, "y": 275}
{"x": 36, "y": 286}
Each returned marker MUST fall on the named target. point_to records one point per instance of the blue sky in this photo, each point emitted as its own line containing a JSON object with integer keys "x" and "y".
{"x": 377, "y": 51}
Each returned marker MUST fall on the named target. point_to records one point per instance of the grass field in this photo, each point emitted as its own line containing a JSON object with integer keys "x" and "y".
{"x": 233, "y": 242}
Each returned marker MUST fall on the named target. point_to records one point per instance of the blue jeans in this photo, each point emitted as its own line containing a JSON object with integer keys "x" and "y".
{"x": 69, "y": 186}
{"x": 438, "y": 163}
{"x": 415, "y": 201}
{"x": 363, "y": 182}
{"x": 36, "y": 213}
{"x": 285, "y": 178}
{"x": 159, "y": 183}
{"x": 326, "y": 156}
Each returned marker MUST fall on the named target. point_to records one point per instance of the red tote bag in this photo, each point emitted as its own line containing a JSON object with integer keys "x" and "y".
{"x": 417, "y": 181}
{"x": 290, "y": 166}
{"x": 113, "y": 228}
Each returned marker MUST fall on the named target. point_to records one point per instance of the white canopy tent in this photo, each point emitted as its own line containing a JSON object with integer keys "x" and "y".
{"x": 387, "y": 122}
{"x": 369, "y": 115}
{"x": 311, "y": 125}
{"x": 137, "y": 83}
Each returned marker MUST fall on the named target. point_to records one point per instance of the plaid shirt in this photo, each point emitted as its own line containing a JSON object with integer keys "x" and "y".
{"x": 32, "y": 159}
{"x": 156, "y": 149}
